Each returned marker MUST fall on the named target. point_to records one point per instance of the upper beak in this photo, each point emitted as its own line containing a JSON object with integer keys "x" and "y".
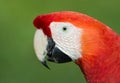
{"x": 46, "y": 49}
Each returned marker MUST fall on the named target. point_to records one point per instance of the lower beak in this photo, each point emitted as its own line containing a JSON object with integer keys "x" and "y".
{"x": 46, "y": 49}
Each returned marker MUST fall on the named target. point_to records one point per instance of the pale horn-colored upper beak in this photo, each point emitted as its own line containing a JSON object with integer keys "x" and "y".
{"x": 40, "y": 42}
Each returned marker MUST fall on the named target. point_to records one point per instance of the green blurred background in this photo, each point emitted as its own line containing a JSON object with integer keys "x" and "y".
{"x": 18, "y": 63}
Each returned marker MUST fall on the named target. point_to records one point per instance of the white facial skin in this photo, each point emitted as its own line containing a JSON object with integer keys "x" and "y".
{"x": 67, "y": 38}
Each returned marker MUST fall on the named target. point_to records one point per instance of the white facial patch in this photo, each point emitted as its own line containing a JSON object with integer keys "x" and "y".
{"x": 67, "y": 38}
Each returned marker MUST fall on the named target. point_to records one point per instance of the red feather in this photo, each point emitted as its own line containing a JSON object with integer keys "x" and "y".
{"x": 43, "y": 21}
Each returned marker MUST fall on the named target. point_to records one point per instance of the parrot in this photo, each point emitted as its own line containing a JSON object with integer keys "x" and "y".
{"x": 68, "y": 36}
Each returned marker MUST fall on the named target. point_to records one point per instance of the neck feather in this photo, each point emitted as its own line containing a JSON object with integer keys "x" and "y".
{"x": 102, "y": 66}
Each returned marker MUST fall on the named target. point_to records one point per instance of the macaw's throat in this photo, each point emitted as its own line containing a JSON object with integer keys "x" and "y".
{"x": 54, "y": 54}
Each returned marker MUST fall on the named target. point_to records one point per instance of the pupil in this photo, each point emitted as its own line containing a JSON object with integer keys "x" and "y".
{"x": 64, "y": 28}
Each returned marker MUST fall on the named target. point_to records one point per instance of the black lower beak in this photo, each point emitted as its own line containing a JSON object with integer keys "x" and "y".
{"x": 58, "y": 56}
{"x": 54, "y": 54}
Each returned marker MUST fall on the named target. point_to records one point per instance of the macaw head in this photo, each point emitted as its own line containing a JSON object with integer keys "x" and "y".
{"x": 67, "y": 36}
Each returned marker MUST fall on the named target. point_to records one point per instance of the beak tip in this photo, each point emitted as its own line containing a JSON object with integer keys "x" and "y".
{"x": 45, "y": 64}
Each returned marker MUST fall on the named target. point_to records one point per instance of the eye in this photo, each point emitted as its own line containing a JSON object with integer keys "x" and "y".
{"x": 64, "y": 28}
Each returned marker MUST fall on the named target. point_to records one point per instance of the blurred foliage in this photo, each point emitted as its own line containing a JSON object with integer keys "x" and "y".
{"x": 18, "y": 63}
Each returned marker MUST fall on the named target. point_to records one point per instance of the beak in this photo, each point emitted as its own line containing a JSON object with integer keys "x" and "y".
{"x": 46, "y": 49}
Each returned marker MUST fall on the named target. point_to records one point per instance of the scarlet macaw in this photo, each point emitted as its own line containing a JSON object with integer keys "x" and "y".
{"x": 71, "y": 36}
